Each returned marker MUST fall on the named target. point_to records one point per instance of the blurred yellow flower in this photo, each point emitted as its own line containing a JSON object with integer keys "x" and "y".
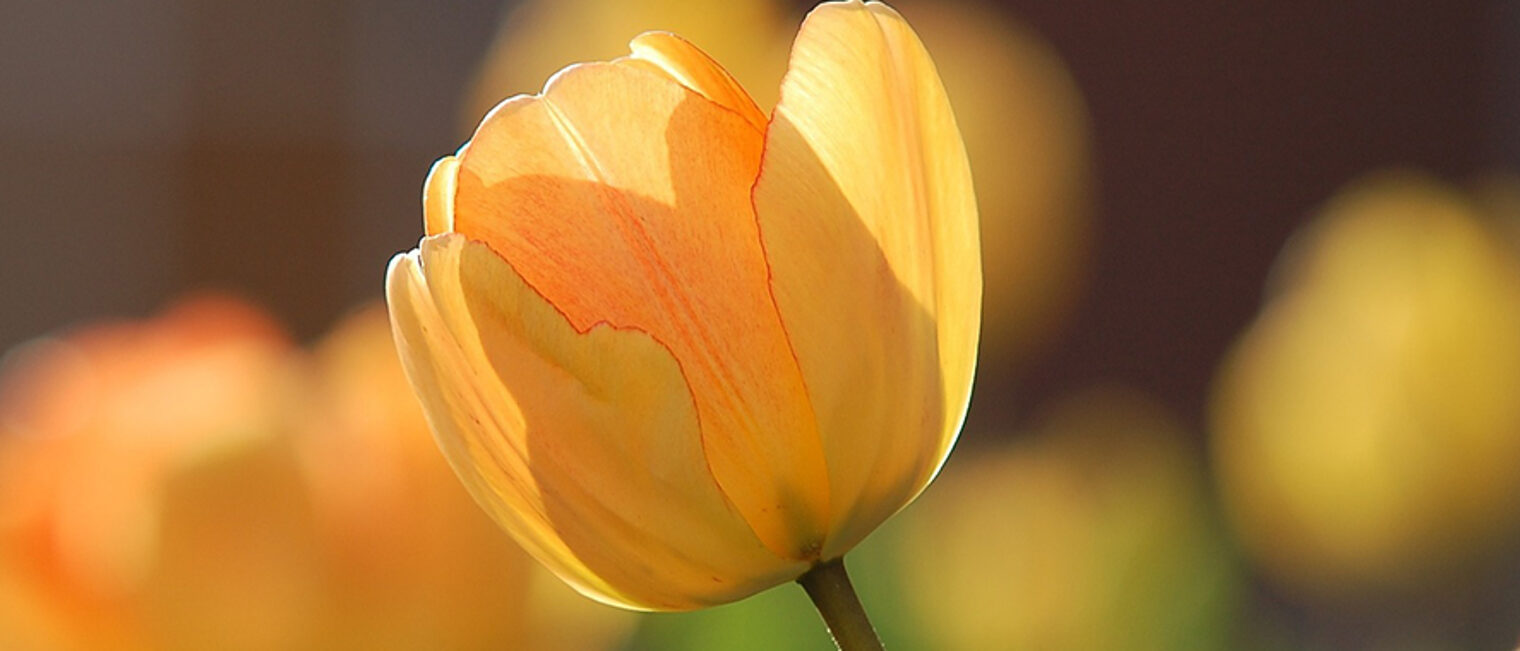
{"x": 195, "y": 482}
{"x": 683, "y": 352}
{"x": 1091, "y": 533}
{"x": 1366, "y": 427}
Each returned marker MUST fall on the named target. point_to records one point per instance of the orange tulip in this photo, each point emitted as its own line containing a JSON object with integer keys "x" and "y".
{"x": 682, "y": 351}
{"x": 194, "y": 481}
{"x": 93, "y": 426}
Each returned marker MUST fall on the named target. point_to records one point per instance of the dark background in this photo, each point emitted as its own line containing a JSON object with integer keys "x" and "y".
{"x": 277, "y": 149}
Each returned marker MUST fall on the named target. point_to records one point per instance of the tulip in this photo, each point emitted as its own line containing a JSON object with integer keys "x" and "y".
{"x": 1365, "y": 426}
{"x": 194, "y": 481}
{"x": 681, "y": 351}
{"x": 95, "y": 428}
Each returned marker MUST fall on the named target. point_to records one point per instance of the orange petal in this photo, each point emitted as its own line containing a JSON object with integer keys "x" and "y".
{"x": 869, "y": 222}
{"x": 623, "y": 198}
{"x": 583, "y": 445}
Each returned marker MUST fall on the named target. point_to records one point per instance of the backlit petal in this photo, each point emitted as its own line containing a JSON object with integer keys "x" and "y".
{"x": 438, "y": 196}
{"x": 583, "y": 445}
{"x": 622, "y": 197}
{"x": 869, "y": 222}
{"x": 692, "y": 67}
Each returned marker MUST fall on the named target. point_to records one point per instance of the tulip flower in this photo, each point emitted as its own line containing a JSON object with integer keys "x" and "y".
{"x": 93, "y": 427}
{"x": 681, "y": 351}
{"x": 195, "y": 481}
{"x": 1365, "y": 426}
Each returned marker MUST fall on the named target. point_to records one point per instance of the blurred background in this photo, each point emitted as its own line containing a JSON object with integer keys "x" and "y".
{"x": 1250, "y": 375}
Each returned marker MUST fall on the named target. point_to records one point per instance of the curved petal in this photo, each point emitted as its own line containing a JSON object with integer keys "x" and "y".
{"x": 869, "y": 222}
{"x": 583, "y": 445}
{"x": 692, "y": 68}
{"x": 438, "y": 196}
{"x": 622, "y": 197}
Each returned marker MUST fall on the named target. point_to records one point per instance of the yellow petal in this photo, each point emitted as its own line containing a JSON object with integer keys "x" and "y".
{"x": 438, "y": 196}
{"x": 692, "y": 67}
{"x": 584, "y": 445}
{"x": 622, "y": 198}
{"x": 869, "y": 222}
{"x": 469, "y": 413}
{"x": 1025, "y": 124}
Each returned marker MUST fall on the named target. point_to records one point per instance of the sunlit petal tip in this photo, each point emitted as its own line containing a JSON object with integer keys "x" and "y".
{"x": 438, "y": 196}
{"x": 691, "y": 67}
{"x": 400, "y": 265}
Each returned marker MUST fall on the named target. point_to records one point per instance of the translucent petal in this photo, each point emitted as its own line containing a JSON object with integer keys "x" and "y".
{"x": 690, "y": 66}
{"x": 438, "y": 196}
{"x": 869, "y": 222}
{"x": 583, "y": 445}
{"x": 622, "y": 197}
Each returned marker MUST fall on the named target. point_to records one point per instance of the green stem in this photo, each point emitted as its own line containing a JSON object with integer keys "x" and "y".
{"x": 829, "y": 587}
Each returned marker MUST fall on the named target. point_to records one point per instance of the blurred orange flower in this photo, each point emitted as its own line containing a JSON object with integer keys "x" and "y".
{"x": 194, "y": 481}
{"x": 682, "y": 352}
{"x": 93, "y": 426}
{"x": 1366, "y": 429}
{"x": 444, "y": 576}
